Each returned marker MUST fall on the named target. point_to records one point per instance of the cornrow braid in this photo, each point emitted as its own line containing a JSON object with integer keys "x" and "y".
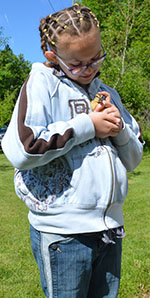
{"x": 73, "y": 20}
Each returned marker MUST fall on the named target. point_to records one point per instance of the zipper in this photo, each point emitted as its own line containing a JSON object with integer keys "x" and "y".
{"x": 112, "y": 185}
{"x": 111, "y": 167}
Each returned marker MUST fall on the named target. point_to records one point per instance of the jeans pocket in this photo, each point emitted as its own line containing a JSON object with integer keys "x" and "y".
{"x": 56, "y": 244}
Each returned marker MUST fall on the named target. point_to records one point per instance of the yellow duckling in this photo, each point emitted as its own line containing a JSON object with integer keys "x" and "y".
{"x": 98, "y": 99}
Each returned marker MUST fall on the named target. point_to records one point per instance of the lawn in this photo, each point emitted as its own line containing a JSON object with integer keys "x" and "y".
{"x": 19, "y": 276}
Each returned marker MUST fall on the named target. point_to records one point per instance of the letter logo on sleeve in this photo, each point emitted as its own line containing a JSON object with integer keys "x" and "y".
{"x": 78, "y": 106}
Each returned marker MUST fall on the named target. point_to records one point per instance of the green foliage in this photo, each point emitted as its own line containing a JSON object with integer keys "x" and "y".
{"x": 125, "y": 35}
{"x": 6, "y": 107}
{"x": 13, "y": 72}
{"x": 3, "y": 40}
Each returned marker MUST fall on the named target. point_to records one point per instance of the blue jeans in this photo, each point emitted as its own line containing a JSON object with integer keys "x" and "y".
{"x": 77, "y": 266}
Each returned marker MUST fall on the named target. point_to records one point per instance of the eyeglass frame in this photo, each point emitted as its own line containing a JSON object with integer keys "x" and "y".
{"x": 83, "y": 67}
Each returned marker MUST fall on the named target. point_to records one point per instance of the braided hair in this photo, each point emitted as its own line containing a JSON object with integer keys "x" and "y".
{"x": 73, "y": 20}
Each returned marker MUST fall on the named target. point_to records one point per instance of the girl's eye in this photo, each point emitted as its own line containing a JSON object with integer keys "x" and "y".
{"x": 75, "y": 65}
{"x": 97, "y": 57}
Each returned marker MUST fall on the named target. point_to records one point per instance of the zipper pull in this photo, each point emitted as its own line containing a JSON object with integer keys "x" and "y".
{"x": 55, "y": 247}
{"x": 59, "y": 250}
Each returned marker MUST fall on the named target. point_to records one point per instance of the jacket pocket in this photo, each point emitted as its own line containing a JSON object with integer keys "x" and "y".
{"x": 43, "y": 186}
{"x": 91, "y": 179}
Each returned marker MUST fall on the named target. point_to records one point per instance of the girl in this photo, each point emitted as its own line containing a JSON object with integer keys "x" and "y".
{"x": 71, "y": 162}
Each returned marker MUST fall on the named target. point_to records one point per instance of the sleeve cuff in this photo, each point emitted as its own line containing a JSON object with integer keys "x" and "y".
{"x": 123, "y": 136}
{"x": 83, "y": 128}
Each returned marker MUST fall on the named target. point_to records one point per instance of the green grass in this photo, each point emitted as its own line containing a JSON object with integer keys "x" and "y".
{"x": 19, "y": 276}
{"x": 135, "y": 281}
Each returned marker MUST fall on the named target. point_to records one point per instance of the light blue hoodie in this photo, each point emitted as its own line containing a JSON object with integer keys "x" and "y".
{"x": 71, "y": 181}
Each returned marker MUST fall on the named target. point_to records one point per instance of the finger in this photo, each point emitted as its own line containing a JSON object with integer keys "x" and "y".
{"x": 120, "y": 124}
{"x": 99, "y": 107}
{"x": 106, "y": 95}
{"x": 114, "y": 133}
{"x": 112, "y": 125}
{"x": 113, "y": 119}
{"x": 109, "y": 108}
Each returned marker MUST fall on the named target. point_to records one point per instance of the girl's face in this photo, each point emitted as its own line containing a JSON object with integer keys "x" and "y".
{"x": 73, "y": 51}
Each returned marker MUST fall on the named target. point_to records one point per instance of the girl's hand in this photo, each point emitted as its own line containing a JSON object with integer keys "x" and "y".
{"x": 106, "y": 118}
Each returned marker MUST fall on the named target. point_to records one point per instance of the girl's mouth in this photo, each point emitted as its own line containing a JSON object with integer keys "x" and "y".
{"x": 86, "y": 76}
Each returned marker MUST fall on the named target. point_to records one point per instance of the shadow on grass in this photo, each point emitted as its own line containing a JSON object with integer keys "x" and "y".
{"x": 135, "y": 174}
{"x": 5, "y": 168}
{"x": 147, "y": 145}
{"x": 4, "y": 164}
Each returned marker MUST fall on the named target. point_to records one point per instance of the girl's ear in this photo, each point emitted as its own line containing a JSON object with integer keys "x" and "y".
{"x": 50, "y": 55}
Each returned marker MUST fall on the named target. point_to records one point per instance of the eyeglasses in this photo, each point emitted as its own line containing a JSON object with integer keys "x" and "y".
{"x": 76, "y": 70}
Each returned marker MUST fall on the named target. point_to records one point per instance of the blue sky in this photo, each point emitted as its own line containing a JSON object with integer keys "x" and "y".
{"x": 20, "y": 21}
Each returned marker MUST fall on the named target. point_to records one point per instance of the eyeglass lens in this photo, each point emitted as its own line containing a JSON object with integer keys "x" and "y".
{"x": 83, "y": 68}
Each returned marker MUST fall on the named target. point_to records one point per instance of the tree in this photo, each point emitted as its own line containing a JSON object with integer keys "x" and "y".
{"x": 13, "y": 72}
{"x": 3, "y": 40}
{"x": 125, "y": 34}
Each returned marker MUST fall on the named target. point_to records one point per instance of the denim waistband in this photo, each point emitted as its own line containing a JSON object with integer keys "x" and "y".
{"x": 108, "y": 236}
